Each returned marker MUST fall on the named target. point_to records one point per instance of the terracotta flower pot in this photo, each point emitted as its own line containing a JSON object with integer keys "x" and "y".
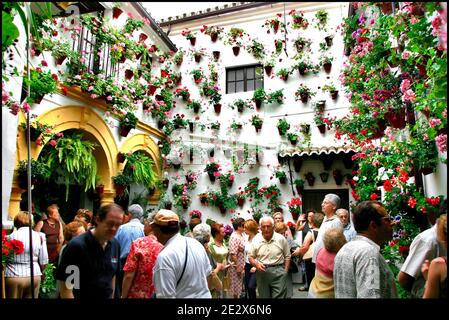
{"x": 124, "y": 131}
{"x": 128, "y": 74}
{"x": 324, "y": 176}
{"x": 116, "y": 12}
{"x": 122, "y": 59}
{"x": 211, "y": 177}
{"x": 258, "y": 103}
{"x": 276, "y": 26}
{"x": 197, "y": 58}
{"x": 334, "y": 94}
{"x": 214, "y": 37}
{"x": 143, "y": 37}
{"x": 60, "y": 60}
{"x": 297, "y": 164}
{"x": 302, "y": 71}
{"x": 299, "y": 189}
{"x": 396, "y": 118}
{"x": 216, "y": 55}
{"x": 322, "y": 128}
{"x": 192, "y": 41}
{"x": 151, "y": 89}
{"x": 327, "y": 67}
{"x": 240, "y": 202}
{"x": 329, "y": 40}
{"x": 119, "y": 189}
{"x": 217, "y": 107}
{"x": 236, "y": 50}
{"x": 121, "y": 157}
{"x": 34, "y": 134}
{"x": 191, "y": 126}
{"x": 268, "y": 70}
{"x": 386, "y": 7}
{"x": 304, "y": 98}
{"x": 283, "y": 180}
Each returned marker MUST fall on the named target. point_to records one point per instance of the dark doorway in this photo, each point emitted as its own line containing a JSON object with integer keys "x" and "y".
{"x": 312, "y": 199}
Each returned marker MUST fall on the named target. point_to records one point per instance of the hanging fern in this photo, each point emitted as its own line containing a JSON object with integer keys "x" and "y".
{"x": 75, "y": 159}
{"x": 140, "y": 168}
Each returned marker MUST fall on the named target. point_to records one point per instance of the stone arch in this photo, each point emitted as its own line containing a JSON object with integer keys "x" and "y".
{"x": 72, "y": 117}
{"x": 142, "y": 142}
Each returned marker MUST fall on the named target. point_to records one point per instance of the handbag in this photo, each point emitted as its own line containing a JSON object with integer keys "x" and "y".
{"x": 308, "y": 255}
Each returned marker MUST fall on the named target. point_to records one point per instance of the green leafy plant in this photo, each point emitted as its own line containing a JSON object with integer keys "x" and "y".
{"x": 259, "y": 94}
{"x": 72, "y": 159}
{"x": 41, "y": 83}
{"x": 132, "y": 25}
{"x": 322, "y": 17}
{"x": 122, "y": 179}
{"x": 48, "y": 285}
{"x": 128, "y": 120}
{"x": 276, "y": 96}
{"x": 303, "y": 91}
{"x": 280, "y": 174}
{"x": 39, "y": 171}
{"x": 283, "y": 126}
{"x": 241, "y": 105}
{"x": 256, "y": 49}
{"x": 141, "y": 168}
{"x": 256, "y": 121}
{"x": 292, "y": 136}
{"x": 283, "y": 73}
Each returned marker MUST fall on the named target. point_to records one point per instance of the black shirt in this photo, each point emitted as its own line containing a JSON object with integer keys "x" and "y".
{"x": 97, "y": 267}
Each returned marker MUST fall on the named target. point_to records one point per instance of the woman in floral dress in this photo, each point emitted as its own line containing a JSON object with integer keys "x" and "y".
{"x": 219, "y": 253}
{"x": 138, "y": 277}
{"x": 237, "y": 257}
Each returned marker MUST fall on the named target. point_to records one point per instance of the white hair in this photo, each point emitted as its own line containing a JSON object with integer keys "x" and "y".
{"x": 266, "y": 218}
{"x": 202, "y": 229}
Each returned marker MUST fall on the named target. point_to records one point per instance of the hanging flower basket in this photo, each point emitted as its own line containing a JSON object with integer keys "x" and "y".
{"x": 116, "y": 12}
{"x": 217, "y": 107}
{"x": 396, "y": 118}
{"x": 216, "y": 55}
{"x": 236, "y": 50}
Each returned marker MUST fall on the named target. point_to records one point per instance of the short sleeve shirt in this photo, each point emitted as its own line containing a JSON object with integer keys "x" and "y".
{"x": 270, "y": 252}
{"x": 97, "y": 266}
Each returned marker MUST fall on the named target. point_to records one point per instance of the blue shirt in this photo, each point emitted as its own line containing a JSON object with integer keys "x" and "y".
{"x": 97, "y": 266}
{"x": 127, "y": 233}
{"x": 349, "y": 232}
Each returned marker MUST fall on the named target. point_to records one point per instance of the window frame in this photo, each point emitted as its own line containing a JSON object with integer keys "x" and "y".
{"x": 245, "y": 78}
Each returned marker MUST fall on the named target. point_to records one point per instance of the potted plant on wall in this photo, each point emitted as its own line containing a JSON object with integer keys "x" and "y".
{"x": 39, "y": 172}
{"x": 322, "y": 17}
{"x": 292, "y": 137}
{"x": 331, "y": 89}
{"x": 234, "y": 37}
{"x": 121, "y": 182}
{"x": 38, "y": 129}
{"x": 301, "y": 44}
{"x": 283, "y": 126}
{"x": 212, "y": 170}
{"x": 299, "y": 184}
{"x": 257, "y": 122}
{"x": 60, "y": 51}
{"x": 241, "y": 105}
{"x": 310, "y": 178}
{"x": 268, "y": 66}
{"x": 283, "y": 73}
{"x": 189, "y": 35}
{"x": 304, "y": 93}
{"x": 281, "y": 175}
{"x": 294, "y": 205}
{"x": 41, "y": 83}
{"x": 324, "y": 176}
{"x": 212, "y": 31}
{"x": 127, "y": 122}
{"x": 240, "y": 196}
{"x": 259, "y": 97}
{"x": 326, "y": 62}
{"x": 338, "y": 176}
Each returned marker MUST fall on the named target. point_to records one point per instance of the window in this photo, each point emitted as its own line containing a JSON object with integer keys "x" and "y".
{"x": 244, "y": 79}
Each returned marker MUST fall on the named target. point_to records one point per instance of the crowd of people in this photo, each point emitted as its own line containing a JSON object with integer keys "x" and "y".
{"x": 123, "y": 254}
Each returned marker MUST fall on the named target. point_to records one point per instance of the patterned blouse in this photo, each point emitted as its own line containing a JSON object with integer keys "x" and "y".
{"x": 360, "y": 271}
{"x": 141, "y": 259}
{"x": 237, "y": 247}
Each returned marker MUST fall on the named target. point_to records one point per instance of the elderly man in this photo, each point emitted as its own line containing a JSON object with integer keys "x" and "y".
{"x": 127, "y": 233}
{"x": 330, "y": 204}
{"x": 270, "y": 254}
{"x": 348, "y": 229}
{"x": 91, "y": 261}
{"x": 360, "y": 271}
{"x": 182, "y": 267}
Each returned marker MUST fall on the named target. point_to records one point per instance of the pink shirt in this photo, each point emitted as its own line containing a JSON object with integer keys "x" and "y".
{"x": 325, "y": 262}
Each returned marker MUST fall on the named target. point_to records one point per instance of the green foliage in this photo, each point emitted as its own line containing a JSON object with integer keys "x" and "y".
{"x": 141, "y": 168}
{"x": 276, "y": 96}
{"x": 283, "y": 126}
{"x": 259, "y": 94}
{"x": 256, "y": 49}
{"x": 129, "y": 120}
{"x": 122, "y": 179}
{"x": 39, "y": 170}
{"x": 73, "y": 159}
{"x": 48, "y": 285}
{"x": 132, "y": 25}
{"x": 41, "y": 83}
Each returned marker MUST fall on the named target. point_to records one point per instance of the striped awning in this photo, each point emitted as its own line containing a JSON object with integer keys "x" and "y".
{"x": 316, "y": 151}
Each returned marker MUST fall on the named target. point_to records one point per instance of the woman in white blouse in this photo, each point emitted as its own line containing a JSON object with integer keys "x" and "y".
{"x": 18, "y": 269}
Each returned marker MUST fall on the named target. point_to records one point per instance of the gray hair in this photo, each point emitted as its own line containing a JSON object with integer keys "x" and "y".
{"x": 266, "y": 218}
{"x": 334, "y": 199}
{"x": 202, "y": 229}
{"x": 334, "y": 239}
{"x": 136, "y": 211}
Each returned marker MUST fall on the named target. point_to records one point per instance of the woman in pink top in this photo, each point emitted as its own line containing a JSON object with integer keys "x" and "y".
{"x": 322, "y": 285}
{"x": 138, "y": 277}
{"x": 237, "y": 257}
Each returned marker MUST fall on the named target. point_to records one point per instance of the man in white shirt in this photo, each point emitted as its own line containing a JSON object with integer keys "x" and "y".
{"x": 182, "y": 267}
{"x": 329, "y": 206}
